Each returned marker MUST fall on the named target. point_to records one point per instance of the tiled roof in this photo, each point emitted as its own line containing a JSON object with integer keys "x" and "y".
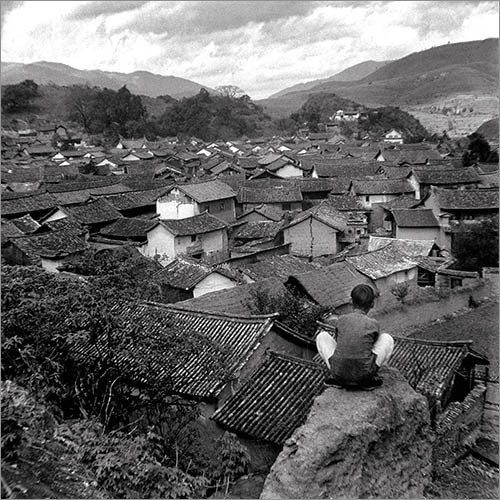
{"x": 237, "y": 336}
{"x": 198, "y": 224}
{"x": 275, "y": 399}
{"x": 411, "y": 156}
{"x": 343, "y": 202}
{"x": 128, "y": 227}
{"x": 463, "y": 199}
{"x": 185, "y": 274}
{"x": 452, "y": 176}
{"x": 27, "y": 204}
{"x": 407, "y": 217}
{"x": 237, "y": 300}
{"x": 249, "y": 162}
{"x": 136, "y": 199}
{"x": 26, "y": 224}
{"x": 330, "y": 286}
{"x": 269, "y": 195}
{"x": 311, "y": 185}
{"x": 50, "y": 245}
{"x": 94, "y": 212}
{"x": 412, "y": 248}
{"x": 269, "y": 158}
{"x": 86, "y": 183}
{"x": 144, "y": 170}
{"x": 323, "y": 212}
{"x": 382, "y": 186}
{"x": 428, "y": 365}
{"x": 258, "y": 229}
{"x": 56, "y": 173}
{"x": 403, "y": 201}
{"x": 23, "y": 174}
{"x": 277, "y": 266}
{"x": 382, "y": 262}
{"x": 269, "y": 211}
{"x": 68, "y": 224}
{"x": 354, "y": 171}
{"x": 203, "y": 192}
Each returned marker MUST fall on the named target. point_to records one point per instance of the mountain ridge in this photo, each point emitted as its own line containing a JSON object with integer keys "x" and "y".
{"x": 421, "y": 78}
{"x": 352, "y": 73}
{"x": 138, "y": 82}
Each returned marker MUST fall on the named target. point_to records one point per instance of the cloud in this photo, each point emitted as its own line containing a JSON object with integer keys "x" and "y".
{"x": 7, "y": 6}
{"x": 90, "y": 10}
{"x": 260, "y": 46}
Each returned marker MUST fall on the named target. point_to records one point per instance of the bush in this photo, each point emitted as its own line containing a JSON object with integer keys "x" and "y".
{"x": 400, "y": 291}
{"x": 296, "y": 314}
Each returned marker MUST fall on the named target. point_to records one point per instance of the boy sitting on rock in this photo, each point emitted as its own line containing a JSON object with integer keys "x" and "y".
{"x": 359, "y": 350}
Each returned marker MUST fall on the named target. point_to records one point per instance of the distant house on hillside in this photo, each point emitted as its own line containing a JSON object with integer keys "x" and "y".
{"x": 393, "y": 137}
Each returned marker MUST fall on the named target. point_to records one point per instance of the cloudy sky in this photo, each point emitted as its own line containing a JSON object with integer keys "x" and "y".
{"x": 260, "y": 46}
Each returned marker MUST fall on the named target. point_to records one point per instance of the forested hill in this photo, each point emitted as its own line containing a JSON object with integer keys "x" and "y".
{"x": 375, "y": 121}
{"x": 110, "y": 112}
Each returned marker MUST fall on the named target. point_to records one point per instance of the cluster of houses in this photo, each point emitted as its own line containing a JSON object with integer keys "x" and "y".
{"x": 308, "y": 216}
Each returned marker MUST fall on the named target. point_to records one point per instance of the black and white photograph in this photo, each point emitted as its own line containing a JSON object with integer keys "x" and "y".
{"x": 249, "y": 249}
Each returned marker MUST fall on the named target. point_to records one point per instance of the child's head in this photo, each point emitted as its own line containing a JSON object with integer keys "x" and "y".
{"x": 363, "y": 297}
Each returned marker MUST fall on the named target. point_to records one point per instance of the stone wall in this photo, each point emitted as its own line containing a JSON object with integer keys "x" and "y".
{"x": 358, "y": 444}
{"x": 458, "y": 428}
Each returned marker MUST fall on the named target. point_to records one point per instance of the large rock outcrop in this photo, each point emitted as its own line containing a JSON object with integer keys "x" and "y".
{"x": 358, "y": 444}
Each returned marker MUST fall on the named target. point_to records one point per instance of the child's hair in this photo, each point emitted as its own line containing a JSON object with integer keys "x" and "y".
{"x": 363, "y": 297}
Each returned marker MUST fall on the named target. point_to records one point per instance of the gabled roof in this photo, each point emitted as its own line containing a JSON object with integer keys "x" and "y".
{"x": 382, "y": 186}
{"x": 412, "y": 248}
{"x": 419, "y": 217}
{"x": 128, "y": 227}
{"x": 269, "y": 195}
{"x": 237, "y": 336}
{"x": 26, "y": 224}
{"x": 257, "y": 229}
{"x": 237, "y": 300}
{"x": 268, "y": 211}
{"x": 203, "y": 192}
{"x": 403, "y": 201}
{"x": 345, "y": 202}
{"x": 186, "y": 274}
{"x": 330, "y": 286}
{"x": 198, "y": 224}
{"x": 467, "y": 199}
{"x": 52, "y": 245}
{"x": 27, "y": 204}
{"x": 94, "y": 212}
{"x": 136, "y": 199}
{"x": 311, "y": 185}
{"x": 382, "y": 262}
{"x": 277, "y": 266}
{"x": 354, "y": 170}
{"x": 452, "y": 176}
{"x": 323, "y": 212}
{"x": 274, "y": 400}
{"x": 428, "y": 366}
{"x": 415, "y": 157}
